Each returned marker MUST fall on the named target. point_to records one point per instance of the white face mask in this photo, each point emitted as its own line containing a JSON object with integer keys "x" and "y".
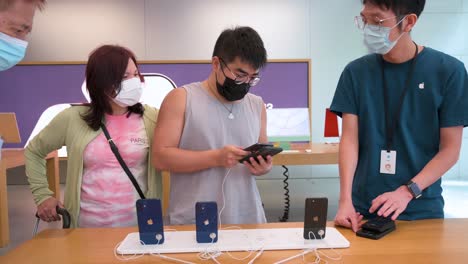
{"x": 130, "y": 92}
{"x": 377, "y": 38}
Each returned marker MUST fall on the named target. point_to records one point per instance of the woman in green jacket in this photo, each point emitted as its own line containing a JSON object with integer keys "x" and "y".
{"x": 98, "y": 192}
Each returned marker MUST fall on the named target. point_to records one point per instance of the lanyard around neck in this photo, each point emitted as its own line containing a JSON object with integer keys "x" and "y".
{"x": 391, "y": 127}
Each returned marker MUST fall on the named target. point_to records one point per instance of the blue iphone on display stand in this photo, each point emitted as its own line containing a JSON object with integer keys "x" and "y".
{"x": 150, "y": 221}
{"x": 206, "y": 216}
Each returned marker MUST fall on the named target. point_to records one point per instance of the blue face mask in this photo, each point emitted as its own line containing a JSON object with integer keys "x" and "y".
{"x": 377, "y": 38}
{"x": 12, "y": 51}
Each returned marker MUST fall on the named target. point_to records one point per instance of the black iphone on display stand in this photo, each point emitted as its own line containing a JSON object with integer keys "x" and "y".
{"x": 315, "y": 218}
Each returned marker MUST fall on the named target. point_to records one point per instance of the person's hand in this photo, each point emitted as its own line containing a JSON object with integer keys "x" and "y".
{"x": 392, "y": 202}
{"x": 261, "y": 167}
{"x": 47, "y": 210}
{"x": 230, "y": 155}
{"x": 348, "y": 217}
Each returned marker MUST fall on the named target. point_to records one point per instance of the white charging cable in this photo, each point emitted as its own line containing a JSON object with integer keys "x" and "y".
{"x": 224, "y": 198}
{"x": 260, "y": 252}
{"x": 159, "y": 238}
{"x": 321, "y": 233}
{"x": 123, "y": 257}
{"x": 210, "y": 252}
{"x": 303, "y": 253}
{"x": 216, "y": 253}
{"x": 318, "y": 258}
{"x": 250, "y": 252}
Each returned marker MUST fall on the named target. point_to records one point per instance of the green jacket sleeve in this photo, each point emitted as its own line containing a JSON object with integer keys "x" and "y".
{"x": 51, "y": 138}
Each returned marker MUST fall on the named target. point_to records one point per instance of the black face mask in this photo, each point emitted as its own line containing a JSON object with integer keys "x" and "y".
{"x": 232, "y": 91}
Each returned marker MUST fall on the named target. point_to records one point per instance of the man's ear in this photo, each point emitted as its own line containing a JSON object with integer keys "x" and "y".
{"x": 215, "y": 63}
{"x": 411, "y": 20}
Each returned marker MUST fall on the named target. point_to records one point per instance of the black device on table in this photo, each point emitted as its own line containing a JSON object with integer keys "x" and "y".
{"x": 376, "y": 228}
{"x": 315, "y": 218}
{"x": 260, "y": 149}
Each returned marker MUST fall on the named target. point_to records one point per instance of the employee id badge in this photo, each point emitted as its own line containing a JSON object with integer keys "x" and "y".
{"x": 388, "y": 162}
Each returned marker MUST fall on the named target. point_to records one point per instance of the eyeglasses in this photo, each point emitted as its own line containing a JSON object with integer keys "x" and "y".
{"x": 362, "y": 21}
{"x": 252, "y": 81}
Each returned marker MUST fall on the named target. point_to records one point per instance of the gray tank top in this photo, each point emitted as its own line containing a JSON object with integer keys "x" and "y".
{"x": 207, "y": 126}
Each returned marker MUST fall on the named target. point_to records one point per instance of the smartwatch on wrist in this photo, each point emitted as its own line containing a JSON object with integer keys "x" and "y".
{"x": 414, "y": 189}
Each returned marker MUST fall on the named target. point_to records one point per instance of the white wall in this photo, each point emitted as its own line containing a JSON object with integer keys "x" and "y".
{"x": 165, "y": 29}
{"x": 187, "y": 29}
{"x": 323, "y": 31}
{"x": 68, "y": 30}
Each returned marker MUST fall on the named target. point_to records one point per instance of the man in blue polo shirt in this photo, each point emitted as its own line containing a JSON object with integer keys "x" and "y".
{"x": 404, "y": 108}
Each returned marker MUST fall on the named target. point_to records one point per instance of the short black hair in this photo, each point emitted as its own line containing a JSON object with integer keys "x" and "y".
{"x": 242, "y": 42}
{"x": 400, "y": 7}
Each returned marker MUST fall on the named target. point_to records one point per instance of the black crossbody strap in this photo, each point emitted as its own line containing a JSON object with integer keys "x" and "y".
{"x": 115, "y": 150}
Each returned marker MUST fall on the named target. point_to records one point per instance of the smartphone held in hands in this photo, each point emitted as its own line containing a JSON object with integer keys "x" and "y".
{"x": 260, "y": 149}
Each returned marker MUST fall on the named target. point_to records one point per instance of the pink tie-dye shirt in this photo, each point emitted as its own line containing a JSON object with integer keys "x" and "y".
{"x": 107, "y": 195}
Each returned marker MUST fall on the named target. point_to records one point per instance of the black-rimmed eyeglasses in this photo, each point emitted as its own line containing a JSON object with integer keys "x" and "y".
{"x": 252, "y": 81}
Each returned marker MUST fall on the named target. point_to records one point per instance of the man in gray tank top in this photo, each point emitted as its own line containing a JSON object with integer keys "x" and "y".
{"x": 203, "y": 127}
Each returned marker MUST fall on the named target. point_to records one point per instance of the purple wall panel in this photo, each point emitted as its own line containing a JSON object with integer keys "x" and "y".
{"x": 28, "y": 90}
{"x": 284, "y": 84}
